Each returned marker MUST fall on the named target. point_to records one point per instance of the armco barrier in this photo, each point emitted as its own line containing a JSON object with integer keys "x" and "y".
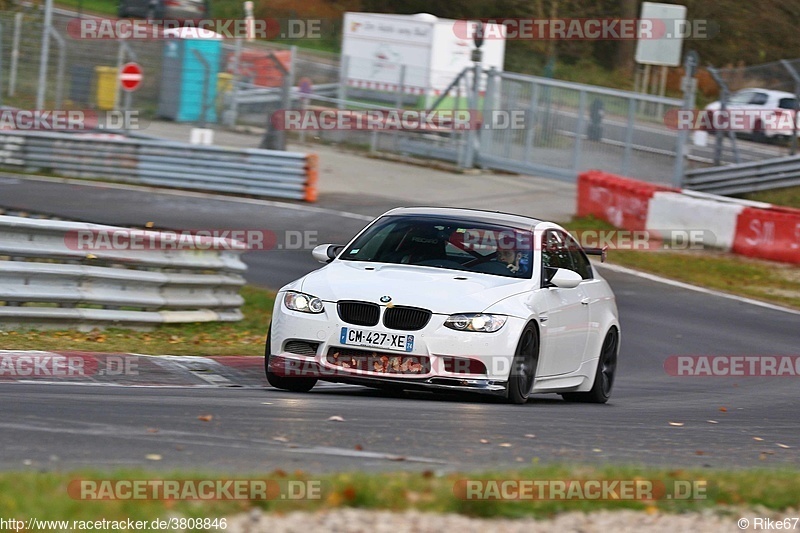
{"x": 769, "y": 234}
{"x": 753, "y": 229}
{"x": 48, "y": 280}
{"x": 249, "y": 171}
{"x": 620, "y": 201}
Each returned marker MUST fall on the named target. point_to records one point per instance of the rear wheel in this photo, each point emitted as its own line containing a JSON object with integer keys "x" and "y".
{"x": 604, "y": 377}
{"x": 758, "y": 133}
{"x": 292, "y": 384}
{"x": 523, "y": 367}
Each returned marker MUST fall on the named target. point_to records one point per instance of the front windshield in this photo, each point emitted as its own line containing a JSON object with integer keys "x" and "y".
{"x": 441, "y": 242}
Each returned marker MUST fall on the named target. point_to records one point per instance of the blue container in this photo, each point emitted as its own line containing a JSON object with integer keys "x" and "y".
{"x": 185, "y": 80}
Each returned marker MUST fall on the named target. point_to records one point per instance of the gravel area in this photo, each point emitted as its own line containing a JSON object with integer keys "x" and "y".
{"x": 369, "y": 521}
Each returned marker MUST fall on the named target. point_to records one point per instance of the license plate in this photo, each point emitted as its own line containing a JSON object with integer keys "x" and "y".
{"x": 376, "y": 339}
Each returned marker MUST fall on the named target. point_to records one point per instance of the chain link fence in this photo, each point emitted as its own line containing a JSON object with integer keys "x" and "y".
{"x": 525, "y": 124}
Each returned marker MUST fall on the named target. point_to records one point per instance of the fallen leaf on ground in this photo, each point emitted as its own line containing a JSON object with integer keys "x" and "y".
{"x": 676, "y": 424}
{"x": 205, "y": 418}
{"x": 335, "y": 418}
{"x": 782, "y": 445}
{"x": 152, "y": 457}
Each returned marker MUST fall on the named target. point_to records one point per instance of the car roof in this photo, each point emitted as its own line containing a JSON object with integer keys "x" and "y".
{"x": 477, "y": 215}
{"x": 783, "y": 94}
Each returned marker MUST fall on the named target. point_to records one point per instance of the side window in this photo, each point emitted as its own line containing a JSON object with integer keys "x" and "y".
{"x": 759, "y": 99}
{"x": 787, "y": 103}
{"x": 579, "y": 260}
{"x": 554, "y": 254}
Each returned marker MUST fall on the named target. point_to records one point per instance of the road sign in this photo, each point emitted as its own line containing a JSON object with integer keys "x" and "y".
{"x": 130, "y": 77}
{"x": 668, "y": 24}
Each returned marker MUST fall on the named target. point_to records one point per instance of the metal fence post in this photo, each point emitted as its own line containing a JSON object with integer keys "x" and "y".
{"x": 725, "y": 93}
{"x": 796, "y": 77}
{"x": 626, "y": 154}
{"x": 576, "y": 148}
{"x": 472, "y": 138}
{"x": 486, "y": 134}
{"x": 343, "y": 73}
{"x": 44, "y": 56}
{"x": 1, "y": 63}
{"x": 62, "y": 58}
{"x": 690, "y": 64}
{"x": 12, "y": 76}
{"x": 530, "y": 134}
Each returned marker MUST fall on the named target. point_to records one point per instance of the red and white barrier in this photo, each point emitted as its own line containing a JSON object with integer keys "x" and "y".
{"x": 754, "y": 229}
{"x": 620, "y": 201}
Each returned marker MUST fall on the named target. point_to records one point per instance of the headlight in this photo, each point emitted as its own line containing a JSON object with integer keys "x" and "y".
{"x": 305, "y": 303}
{"x": 475, "y": 322}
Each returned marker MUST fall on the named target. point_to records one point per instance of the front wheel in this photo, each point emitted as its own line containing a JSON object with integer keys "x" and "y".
{"x": 523, "y": 367}
{"x": 604, "y": 377}
{"x": 292, "y": 384}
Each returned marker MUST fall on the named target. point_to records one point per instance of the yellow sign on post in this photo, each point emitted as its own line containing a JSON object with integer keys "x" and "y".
{"x": 106, "y": 82}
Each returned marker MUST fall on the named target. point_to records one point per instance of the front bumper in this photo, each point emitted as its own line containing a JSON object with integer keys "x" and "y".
{"x": 434, "y": 345}
{"x": 286, "y": 365}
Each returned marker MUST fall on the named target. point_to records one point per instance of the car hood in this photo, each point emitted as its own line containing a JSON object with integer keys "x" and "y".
{"x": 431, "y": 288}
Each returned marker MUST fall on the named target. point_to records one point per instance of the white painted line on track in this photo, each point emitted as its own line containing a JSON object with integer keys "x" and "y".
{"x": 682, "y": 285}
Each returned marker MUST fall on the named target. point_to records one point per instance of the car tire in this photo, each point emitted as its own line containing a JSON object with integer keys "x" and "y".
{"x": 604, "y": 376}
{"x": 758, "y": 133}
{"x": 523, "y": 367}
{"x": 283, "y": 382}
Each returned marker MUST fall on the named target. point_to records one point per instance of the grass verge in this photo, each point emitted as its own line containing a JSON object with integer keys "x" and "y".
{"x": 45, "y": 495}
{"x": 762, "y": 280}
{"x": 213, "y": 338}
{"x": 789, "y": 196}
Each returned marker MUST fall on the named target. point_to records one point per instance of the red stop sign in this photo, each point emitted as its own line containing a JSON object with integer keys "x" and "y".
{"x": 130, "y": 77}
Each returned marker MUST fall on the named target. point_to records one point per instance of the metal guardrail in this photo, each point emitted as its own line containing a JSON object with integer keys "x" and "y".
{"x": 252, "y": 171}
{"x": 49, "y": 277}
{"x": 746, "y": 177}
{"x": 263, "y": 95}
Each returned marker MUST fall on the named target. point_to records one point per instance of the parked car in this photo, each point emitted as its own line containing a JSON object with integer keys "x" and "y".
{"x": 770, "y": 113}
{"x": 164, "y": 9}
{"x": 449, "y": 299}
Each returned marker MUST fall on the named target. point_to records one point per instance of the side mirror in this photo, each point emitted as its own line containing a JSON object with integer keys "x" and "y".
{"x": 566, "y": 279}
{"x": 325, "y": 253}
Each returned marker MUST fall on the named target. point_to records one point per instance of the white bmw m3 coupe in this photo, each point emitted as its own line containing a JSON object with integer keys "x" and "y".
{"x": 449, "y": 299}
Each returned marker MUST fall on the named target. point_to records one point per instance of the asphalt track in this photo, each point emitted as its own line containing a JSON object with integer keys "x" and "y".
{"x": 52, "y": 426}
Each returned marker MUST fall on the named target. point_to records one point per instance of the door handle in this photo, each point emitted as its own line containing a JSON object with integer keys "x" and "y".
{"x": 586, "y": 301}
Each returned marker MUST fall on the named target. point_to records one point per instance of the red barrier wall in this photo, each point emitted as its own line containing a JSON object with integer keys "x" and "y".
{"x": 620, "y": 201}
{"x": 769, "y": 234}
